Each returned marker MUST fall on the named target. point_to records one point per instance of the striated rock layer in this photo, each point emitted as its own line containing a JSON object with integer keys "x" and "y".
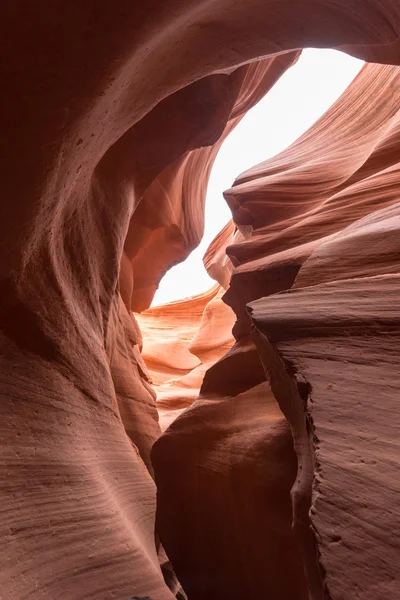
{"x": 106, "y": 114}
{"x": 182, "y": 341}
{"x": 325, "y": 224}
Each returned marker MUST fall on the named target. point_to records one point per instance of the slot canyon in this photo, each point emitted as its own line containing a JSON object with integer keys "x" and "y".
{"x": 242, "y": 443}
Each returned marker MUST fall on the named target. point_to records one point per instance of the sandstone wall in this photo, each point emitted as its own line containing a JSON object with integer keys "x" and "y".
{"x": 106, "y": 111}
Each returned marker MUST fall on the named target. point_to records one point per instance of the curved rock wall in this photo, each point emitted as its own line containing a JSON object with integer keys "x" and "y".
{"x": 101, "y": 100}
{"x": 324, "y": 210}
{"x": 182, "y": 340}
{"x": 158, "y": 239}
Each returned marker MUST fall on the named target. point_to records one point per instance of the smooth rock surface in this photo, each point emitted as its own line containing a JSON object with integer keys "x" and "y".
{"x": 111, "y": 113}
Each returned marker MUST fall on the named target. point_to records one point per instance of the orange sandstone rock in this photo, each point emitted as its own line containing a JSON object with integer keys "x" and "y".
{"x": 324, "y": 210}
{"x": 103, "y": 105}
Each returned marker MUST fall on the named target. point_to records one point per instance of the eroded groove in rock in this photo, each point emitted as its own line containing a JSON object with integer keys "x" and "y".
{"x": 224, "y": 470}
{"x": 181, "y": 341}
{"x": 343, "y": 168}
{"x": 286, "y": 391}
{"x": 343, "y": 338}
{"x": 158, "y": 239}
{"x": 337, "y": 329}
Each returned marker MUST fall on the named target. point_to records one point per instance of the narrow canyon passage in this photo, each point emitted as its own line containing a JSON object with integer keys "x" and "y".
{"x": 235, "y": 471}
{"x": 241, "y": 443}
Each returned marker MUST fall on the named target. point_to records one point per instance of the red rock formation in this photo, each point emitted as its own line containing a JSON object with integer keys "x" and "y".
{"x": 158, "y": 239}
{"x": 182, "y": 340}
{"x": 316, "y": 187}
{"x": 100, "y": 101}
{"x": 337, "y": 331}
{"x": 300, "y": 204}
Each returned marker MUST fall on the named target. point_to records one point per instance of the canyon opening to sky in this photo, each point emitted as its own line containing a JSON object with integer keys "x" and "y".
{"x": 295, "y": 102}
{"x": 237, "y": 437}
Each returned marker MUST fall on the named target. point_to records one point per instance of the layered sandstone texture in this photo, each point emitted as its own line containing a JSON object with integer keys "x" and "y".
{"x": 111, "y": 116}
{"x": 313, "y": 289}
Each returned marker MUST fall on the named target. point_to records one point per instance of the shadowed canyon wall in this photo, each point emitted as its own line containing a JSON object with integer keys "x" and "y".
{"x": 279, "y": 480}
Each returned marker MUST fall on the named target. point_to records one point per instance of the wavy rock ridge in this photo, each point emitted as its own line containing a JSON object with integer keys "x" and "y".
{"x": 111, "y": 118}
{"x": 318, "y": 215}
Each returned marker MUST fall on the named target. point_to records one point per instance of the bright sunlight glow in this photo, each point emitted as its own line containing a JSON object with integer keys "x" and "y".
{"x": 296, "y": 101}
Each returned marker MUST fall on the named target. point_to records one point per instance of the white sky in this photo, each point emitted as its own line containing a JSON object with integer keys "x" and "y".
{"x": 296, "y": 101}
